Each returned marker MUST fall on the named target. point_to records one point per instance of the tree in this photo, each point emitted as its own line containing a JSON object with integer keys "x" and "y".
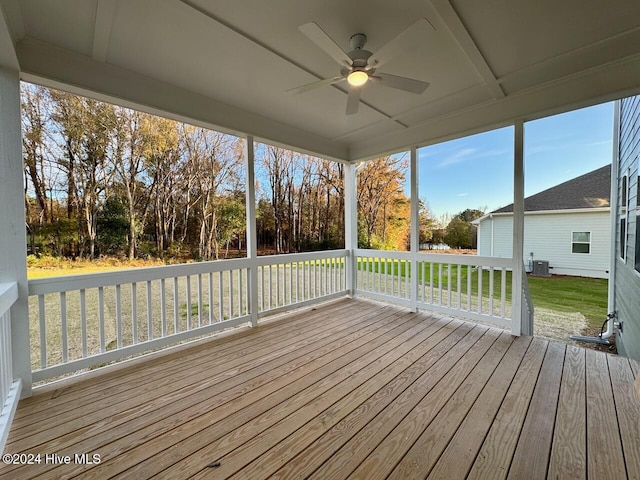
{"x": 113, "y": 227}
{"x": 86, "y": 127}
{"x": 231, "y": 216}
{"x": 427, "y": 223}
{"x": 34, "y": 146}
{"x": 460, "y": 232}
{"x": 382, "y": 203}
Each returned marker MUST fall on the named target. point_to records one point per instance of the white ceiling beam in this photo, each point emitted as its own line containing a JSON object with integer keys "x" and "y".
{"x": 459, "y": 32}
{"x": 8, "y": 57}
{"x": 59, "y": 68}
{"x": 105, "y": 12}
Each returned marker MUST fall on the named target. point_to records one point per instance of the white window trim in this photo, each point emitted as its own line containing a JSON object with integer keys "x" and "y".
{"x": 573, "y": 242}
{"x": 636, "y": 239}
{"x": 624, "y": 213}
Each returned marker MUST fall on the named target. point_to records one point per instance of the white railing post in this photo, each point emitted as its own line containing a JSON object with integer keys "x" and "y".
{"x": 10, "y": 387}
{"x": 519, "y": 326}
{"x": 415, "y": 229}
{"x": 351, "y": 227}
{"x": 252, "y": 240}
{"x": 13, "y": 242}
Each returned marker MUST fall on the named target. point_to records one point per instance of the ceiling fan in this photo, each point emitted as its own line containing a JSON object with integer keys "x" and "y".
{"x": 360, "y": 66}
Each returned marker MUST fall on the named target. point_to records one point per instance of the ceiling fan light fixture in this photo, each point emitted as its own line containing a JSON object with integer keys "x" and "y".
{"x": 357, "y": 78}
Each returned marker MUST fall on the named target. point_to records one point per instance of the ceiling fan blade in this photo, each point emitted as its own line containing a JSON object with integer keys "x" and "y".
{"x": 353, "y": 100}
{"x": 324, "y": 41}
{"x": 401, "y": 83}
{"x": 412, "y": 36}
{"x": 317, "y": 84}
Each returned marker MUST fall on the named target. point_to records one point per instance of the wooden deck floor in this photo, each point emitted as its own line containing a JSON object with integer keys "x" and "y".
{"x": 352, "y": 389}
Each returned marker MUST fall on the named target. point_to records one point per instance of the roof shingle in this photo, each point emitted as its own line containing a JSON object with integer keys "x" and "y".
{"x": 591, "y": 190}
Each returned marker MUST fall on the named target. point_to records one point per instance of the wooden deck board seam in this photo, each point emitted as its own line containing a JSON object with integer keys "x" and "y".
{"x": 228, "y": 342}
{"x": 399, "y": 315}
{"x": 219, "y": 362}
{"x": 300, "y": 394}
{"x": 489, "y": 374}
{"x": 292, "y": 353}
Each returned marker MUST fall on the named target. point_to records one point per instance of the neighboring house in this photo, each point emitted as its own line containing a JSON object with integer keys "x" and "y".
{"x": 625, "y": 289}
{"x": 568, "y": 225}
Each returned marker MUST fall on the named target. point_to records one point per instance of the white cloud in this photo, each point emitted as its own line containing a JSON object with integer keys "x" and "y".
{"x": 458, "y": 157}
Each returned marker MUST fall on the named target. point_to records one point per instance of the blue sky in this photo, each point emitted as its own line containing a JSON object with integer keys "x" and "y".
{"x": 477, "y": 171}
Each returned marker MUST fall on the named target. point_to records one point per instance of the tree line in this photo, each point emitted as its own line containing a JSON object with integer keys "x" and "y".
{"x": 101, "y": 179}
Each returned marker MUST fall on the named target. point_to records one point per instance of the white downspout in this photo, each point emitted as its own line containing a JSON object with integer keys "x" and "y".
{"x": 613, "y": 205}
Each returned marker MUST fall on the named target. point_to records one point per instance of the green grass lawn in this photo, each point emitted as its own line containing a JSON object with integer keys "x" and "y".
{"x": 572, "y": 294}
{"x": 559, "y": 293}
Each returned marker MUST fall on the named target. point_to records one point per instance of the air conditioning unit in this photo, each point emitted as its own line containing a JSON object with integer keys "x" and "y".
{"x": 541, "y": 268}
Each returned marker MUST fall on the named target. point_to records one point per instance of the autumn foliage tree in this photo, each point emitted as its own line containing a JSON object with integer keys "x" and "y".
{"x": 383, "y": 207}
{"x": 101, "y": 179}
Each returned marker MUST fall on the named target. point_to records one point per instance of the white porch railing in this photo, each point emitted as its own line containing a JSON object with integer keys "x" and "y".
{"x": 9, "y": 387}
{"x": 299, "y": 279}
{"x": 469, "y": 286}
{"x": 83, "y": 321}
{"x": 79, "y": 322}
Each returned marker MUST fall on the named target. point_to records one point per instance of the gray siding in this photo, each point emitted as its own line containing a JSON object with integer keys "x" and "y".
{"x": 549, "y": 237}
{"x": 627, "y": 279}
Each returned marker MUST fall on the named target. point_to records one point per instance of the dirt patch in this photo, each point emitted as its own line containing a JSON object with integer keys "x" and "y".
{"x": 559, "y": 326}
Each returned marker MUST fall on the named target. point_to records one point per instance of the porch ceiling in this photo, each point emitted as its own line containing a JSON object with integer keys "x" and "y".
{"x": 230, "y": 64}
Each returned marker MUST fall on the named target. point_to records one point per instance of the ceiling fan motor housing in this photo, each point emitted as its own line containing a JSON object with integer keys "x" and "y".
{"x": 357, "y": 41}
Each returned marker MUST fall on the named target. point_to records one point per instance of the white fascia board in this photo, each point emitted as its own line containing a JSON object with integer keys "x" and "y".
{"x": 55, "y": 67}
{"x": 604, "y": 83}
{"x": 544, "y": 212}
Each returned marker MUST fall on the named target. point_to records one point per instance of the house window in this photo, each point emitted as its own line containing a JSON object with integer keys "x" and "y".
{"x": 624, "y": 193}
{"x": 581, "y": 242}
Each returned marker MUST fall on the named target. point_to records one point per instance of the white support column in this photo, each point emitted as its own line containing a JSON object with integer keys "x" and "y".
{"x": 252, "y": 239}
{"x": 611, "y": 297}
{"x": 518, "y": 232}
{"x": 351, "y": 226}
{"x": 13, "y": 241}
{"x": 415, "y": 229}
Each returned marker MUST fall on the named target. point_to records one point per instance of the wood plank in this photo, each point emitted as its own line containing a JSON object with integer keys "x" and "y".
{"x": 199, "y": 433}
{"x": 286, "y": 443}
{"x": 604, "y": 450}
{"x": 205, "y": 375}
{"x": 531, "y": 458}
{"x": 324, "y": 398}
{"x": 421, "y": 377}
{"x": 426, "y": 450}
{"x": 212, "y": 361}
{"x": 115, "y": 436}
{"x": 569, "y": 451}
{"x": 627, "y": 411}
{"x": 452, "y": 370}
{"x": 224, "y": 342}
{"x": 324, "y": 434}
{"x": 494, "y": 459}
{"x": 230, "y": 347}
{"x": 459, "y": 455}
{"x": 239, "y": 447}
